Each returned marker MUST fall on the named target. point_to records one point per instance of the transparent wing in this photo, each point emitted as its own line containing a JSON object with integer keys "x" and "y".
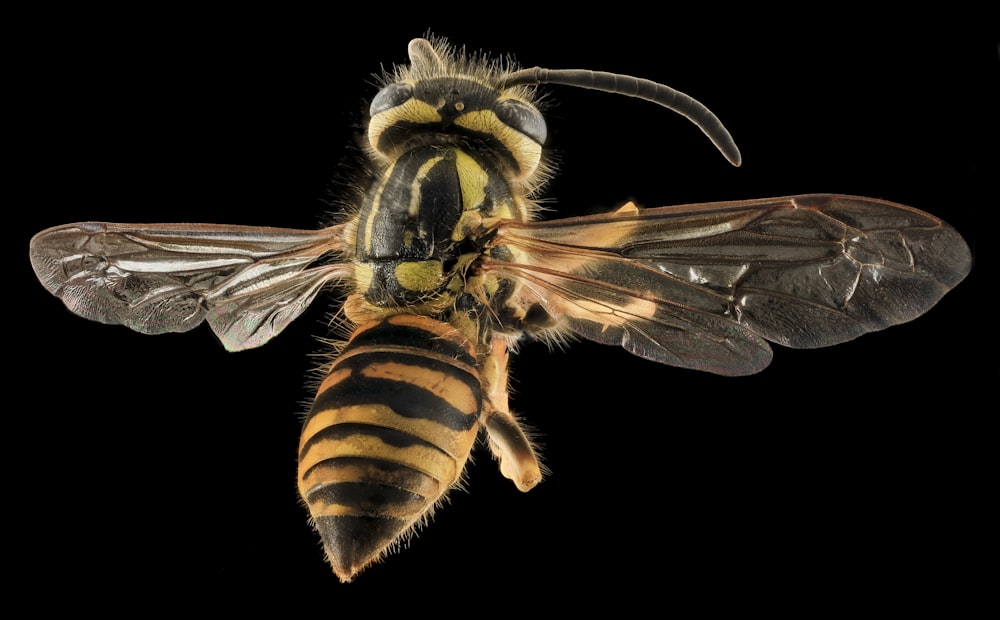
{"x": 248, "y": 282}
{"x": 704, "y": 286}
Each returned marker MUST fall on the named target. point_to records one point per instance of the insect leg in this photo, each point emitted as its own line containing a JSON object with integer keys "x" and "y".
{"x": 507, "y": 439}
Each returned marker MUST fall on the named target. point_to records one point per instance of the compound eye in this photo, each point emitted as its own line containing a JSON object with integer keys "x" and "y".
{"x": 523, "y": 117}
{"x": 390, "y": 97}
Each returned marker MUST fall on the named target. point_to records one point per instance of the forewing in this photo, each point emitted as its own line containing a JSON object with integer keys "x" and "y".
{"x": 702, "y": 285}
{"x": 248, "y": 282}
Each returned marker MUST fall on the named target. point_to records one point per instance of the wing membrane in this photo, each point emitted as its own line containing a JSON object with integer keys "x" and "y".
{"x": 801, "y": 271}
{"x": 248, "y": 282}
{"x": 621, "y": 303}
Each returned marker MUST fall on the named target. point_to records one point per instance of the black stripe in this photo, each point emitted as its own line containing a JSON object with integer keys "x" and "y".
{"x": 369, "y": 499}
{"x": 377, "y": 471}
{"x": 352, "y": 542}
{"x": 386, "y": 333}
{"x": 397, "y": 232}
{"x": 362, "y": 359}
{"x": 405, "y": 399}
{"x": 391, "y": 436}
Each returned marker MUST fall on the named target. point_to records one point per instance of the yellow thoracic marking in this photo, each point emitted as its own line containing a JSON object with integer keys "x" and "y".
{"x": 468, "y": 222}
{"x": 359, "y": 310}
{"x": 362, "y": 276}
{"x": 486, "y": 284}
{"x": 376, "y": 203}
{"x": 419, "y": 275}
{"x": 465, "y": 324}
{"x": 413, "y": 208}
{"x": 503, "y": 211}
{"x": 415, "y": 196}
{"x": 473, "y": 180}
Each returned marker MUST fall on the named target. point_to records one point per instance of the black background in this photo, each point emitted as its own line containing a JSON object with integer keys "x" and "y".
{"x": 166, "y": 466}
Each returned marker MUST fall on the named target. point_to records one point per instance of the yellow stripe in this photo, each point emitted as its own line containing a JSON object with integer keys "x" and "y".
{"x": 425, "y": 459}
{"x": 419, "y": 275}
{"x": 526, "y": 152}
{"x": 363, "y": 276}
{"x": 376, "y": 205}
{"x": 415, "y": 196}
{"x": 455, "y": 443}
{"x": 473, "y": 180}
{"x": 335, "y": 377}
{"x": 455, "y": 392}
{"x": 412, "y": 111}
{"x": 322, "y": 509}
{"x": 332, "y": 472}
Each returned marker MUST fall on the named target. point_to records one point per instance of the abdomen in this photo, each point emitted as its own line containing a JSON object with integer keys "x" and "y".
{"x": 389, "y": 433}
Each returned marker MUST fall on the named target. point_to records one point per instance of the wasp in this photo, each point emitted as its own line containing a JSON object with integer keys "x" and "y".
{"x": 446, "y": 266}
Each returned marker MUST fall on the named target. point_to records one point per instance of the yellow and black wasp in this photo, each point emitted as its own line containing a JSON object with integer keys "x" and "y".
{"x": 447, "y": 267}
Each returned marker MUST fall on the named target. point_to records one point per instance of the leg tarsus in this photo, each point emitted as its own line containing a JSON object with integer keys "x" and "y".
{"x": 517, "y": 457}
{"x": 510, "y": 444}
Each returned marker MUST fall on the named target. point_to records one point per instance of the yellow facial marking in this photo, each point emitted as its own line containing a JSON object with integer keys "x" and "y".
{"x": 482, "y": 121}
{"x": 526, "y": 152}
{"x": 411, "y": 111}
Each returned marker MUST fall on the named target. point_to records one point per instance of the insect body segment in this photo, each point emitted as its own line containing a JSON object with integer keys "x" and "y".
{"x": 457, "y": 150}
{"x": 447, "y": 267}
{"x": 433, "y": 102}
{"x": 388, "y": 435}
{"x": 409, "y": 245}
{"x": 395, "y": 420}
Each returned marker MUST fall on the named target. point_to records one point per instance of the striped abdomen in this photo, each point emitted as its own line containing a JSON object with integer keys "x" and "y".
{"x": 389, "y": 433}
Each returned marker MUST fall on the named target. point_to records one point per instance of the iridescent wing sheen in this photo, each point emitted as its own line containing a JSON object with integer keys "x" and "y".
{"x": 705, "y": 286}
{"x": 248, "y": 282}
